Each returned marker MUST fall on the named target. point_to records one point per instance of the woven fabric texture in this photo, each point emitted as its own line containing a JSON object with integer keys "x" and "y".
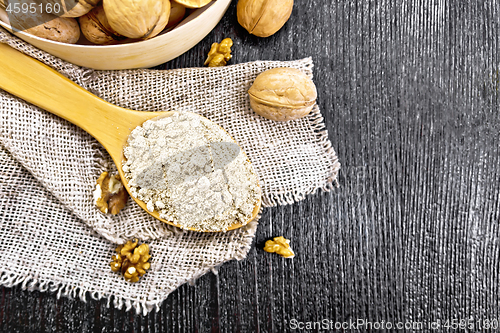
{"x": 54, "y": 238}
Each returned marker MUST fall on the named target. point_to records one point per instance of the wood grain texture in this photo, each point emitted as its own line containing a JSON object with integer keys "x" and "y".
{"x": 410, "y": 95}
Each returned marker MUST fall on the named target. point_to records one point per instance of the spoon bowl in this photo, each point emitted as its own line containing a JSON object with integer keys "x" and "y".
{"x": 109, "y": 124}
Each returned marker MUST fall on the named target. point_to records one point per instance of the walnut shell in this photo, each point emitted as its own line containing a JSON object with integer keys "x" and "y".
{"x": 177, "y": 13}
{"x": 60, "y": 29}
{"x": 95, "y": 27}
{"x": 137, "y": 18}
{"x": 263, "y": 18}
{"x": 81, "y": 7}
{"x": 282, "y": 94}
{"x": 193, "y": 3}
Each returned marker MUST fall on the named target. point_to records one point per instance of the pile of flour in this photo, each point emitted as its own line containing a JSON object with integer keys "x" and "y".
{"x": 190, "y": 171}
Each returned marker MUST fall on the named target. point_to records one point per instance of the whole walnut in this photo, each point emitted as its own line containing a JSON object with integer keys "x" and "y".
{"x": 263, "y": 18}
{"x": 282, "y": 94}
{"x": 80, "y": 8}
{"x": 58, "y": 29}
{"x": 137, "y": 18}
{"x": 61, "y": 29}
{"x": 96, "y": 29}
{"x": 177, "y": 13}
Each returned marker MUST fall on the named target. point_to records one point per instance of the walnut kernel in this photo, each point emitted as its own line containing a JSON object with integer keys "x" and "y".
{"x": 279, "y": 245}
{"x": 110, "y": 196}
{"x": 219, "y": 54}
{"x": 131, "y": 260}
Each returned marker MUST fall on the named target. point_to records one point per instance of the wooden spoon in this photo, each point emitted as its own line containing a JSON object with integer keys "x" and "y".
{"x": 111, "y": 125}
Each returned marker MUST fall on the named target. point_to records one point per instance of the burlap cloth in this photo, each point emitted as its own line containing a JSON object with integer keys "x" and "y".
{"x": 53, "y": 238}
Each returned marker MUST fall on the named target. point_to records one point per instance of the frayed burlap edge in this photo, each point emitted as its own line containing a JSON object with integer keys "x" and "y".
{"x": 72, "y": 291}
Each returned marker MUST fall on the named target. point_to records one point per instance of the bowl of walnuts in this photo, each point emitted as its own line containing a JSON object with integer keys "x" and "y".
{"x": 113, "y": 34}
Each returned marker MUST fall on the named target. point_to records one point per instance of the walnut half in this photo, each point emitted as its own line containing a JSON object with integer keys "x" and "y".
{"x": 219, "y": 54}
{"x": 110, "y": 196}
{"x": 279, "y": 245}
{"x": 131, "y": 260}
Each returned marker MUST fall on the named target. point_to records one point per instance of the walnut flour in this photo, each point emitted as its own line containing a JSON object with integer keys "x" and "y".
{"x": 190, "y": 171}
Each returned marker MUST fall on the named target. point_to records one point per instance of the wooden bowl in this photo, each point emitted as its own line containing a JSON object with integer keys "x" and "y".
{"x": 139, "y": 54}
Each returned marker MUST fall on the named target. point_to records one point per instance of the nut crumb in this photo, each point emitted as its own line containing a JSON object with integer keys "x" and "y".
{"x": 279, "y": 245}
{"x": 219, "y": 54}
{"x": 110, "y": 195}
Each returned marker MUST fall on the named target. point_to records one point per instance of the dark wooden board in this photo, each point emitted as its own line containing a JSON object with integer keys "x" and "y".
{"x": 410, "y": 95}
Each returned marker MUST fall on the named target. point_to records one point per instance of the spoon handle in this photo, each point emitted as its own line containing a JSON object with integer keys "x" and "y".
{"x": 44, "y": 87}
